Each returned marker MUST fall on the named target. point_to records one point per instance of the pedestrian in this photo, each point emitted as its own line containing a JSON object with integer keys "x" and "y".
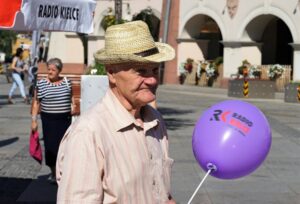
{"x": 53, "y": 99}
{"x": 117, "y": 151}
{"x": 18, "y": 68}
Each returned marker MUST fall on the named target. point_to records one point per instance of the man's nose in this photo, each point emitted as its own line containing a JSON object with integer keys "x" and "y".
{"x": 151, "y": 80}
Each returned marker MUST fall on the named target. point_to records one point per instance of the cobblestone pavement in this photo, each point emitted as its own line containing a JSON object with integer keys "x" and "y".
{"x": 277, "y": 181}
{"x": 17, "y": 169}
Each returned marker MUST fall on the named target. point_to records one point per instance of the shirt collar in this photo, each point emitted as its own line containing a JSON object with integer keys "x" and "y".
{"x": 123, "y": 118}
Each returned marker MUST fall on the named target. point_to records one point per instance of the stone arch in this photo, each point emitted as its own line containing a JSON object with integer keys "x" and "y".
{"x": 203, "y": 11}
{"x": 258, "y": 27}
{"x": 201, "y": 33}
{"x": 272, "y": 11}
{"x": 272, "y": 31}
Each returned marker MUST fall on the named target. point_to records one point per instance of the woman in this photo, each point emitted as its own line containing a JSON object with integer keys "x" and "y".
{"x": 53, "y": 97}
{"x": 18, "y": 68}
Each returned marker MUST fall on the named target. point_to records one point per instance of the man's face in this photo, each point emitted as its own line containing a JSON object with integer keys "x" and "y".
{"x": 232, "y": 6}
{"x": 134, "y": 84}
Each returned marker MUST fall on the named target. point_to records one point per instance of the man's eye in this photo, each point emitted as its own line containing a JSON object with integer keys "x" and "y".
{"x": 156, "y": 71}
{"x": 141, "y": 71}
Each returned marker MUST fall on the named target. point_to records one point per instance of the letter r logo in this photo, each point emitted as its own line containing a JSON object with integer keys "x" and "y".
{"x": 216, "y": 115}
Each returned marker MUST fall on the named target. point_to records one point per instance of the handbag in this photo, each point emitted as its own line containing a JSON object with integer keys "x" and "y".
{"x": 35, "y": 149}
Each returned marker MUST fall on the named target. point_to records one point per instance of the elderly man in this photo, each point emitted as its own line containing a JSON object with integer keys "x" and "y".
{"x": 117, "y": 152}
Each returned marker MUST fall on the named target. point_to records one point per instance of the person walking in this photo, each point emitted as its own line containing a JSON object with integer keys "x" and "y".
{"x": 18, "y": 68}
{"x": 53, "y": 98}
{"x": 117, "y": 152}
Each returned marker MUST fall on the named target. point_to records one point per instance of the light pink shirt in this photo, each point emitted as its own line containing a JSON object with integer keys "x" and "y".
{"x": 107, "y": 157}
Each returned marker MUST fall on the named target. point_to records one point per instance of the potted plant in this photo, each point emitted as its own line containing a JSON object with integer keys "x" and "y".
{"x": 188, "y": 66}
{"x": 218, "y": 61}
{"x": 110, "y": 19}
{"x": 255, "y": 72}
{"x": 275, "y": 72}
{"x": 211, "y": 73}
{"x": 243, "y": 69}
{"x": 182, "y": 73}
{"x": 202, "y": 67}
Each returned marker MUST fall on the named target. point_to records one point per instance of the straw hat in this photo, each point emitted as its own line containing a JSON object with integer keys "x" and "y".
{"x": 132, "y": 42}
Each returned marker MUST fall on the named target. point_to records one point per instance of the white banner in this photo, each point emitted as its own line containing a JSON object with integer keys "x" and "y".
{"x": 59, "y": 15}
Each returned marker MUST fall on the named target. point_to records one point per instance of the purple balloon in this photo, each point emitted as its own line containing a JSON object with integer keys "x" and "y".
{"x": 234, "y": 137}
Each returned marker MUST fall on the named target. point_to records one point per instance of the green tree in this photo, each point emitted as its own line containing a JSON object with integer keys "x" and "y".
{"x": 7, "y": 38}
{"x": 110, "y": 20}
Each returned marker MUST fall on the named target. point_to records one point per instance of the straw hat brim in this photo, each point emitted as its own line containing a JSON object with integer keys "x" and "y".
{"x": 165, "y": 53}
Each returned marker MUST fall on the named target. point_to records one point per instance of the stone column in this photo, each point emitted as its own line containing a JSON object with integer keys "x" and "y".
{"x": 296, "y": 62}
{"x": 170, "y": 70}
{"x": 234, "y": 54}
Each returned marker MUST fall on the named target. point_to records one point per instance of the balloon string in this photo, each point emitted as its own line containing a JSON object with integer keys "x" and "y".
{"x": 199, "y": 186}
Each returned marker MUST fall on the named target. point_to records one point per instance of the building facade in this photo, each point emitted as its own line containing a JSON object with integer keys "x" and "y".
{"x": 260, "y": 31}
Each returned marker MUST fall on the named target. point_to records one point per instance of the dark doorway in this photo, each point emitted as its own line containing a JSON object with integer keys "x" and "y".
{"x": 276, "y": 39}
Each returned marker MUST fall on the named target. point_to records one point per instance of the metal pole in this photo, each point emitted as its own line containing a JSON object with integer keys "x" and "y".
{"x": 165, "y": 36}
{"x": 166, "y": 22}
{"x": 118, "y": 11}
{"x": 34, "y": 46}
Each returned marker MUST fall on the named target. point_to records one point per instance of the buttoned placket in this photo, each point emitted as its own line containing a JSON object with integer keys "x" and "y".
{"x": 150, "y": 155}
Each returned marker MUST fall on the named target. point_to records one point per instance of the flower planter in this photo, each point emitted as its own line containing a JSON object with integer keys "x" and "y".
{"x": 291, "y": 93}
{"x": 210, "y": 81}
{"x": 256, "y": 88}
{"x": 93, "y": 88}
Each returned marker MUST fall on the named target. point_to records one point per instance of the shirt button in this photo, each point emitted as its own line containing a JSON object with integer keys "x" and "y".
{"x": 151, "y": 156}
{"x": 153, "y": 183}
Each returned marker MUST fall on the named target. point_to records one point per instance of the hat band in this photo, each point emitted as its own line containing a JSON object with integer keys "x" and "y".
{"x": 147, "y": 53}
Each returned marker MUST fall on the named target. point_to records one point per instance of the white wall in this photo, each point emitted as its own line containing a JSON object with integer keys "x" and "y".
{"x": 66, "y": 46}
{"x": 94, "y": 45}
{"x": 189, "y": 50}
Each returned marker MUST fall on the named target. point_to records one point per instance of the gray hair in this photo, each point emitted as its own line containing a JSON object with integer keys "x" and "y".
{"x": 56, "y": 62}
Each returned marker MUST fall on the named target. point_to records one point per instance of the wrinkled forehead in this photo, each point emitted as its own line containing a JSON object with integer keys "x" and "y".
{"x": 126, "y": 66}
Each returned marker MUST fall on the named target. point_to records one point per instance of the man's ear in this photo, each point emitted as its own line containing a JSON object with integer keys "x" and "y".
{"x": 111, "y": 74}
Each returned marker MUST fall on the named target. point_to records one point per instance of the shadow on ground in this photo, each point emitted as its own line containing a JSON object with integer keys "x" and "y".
{"x": 12, "y": 188}
{"x": 8, "y": 141}
{"x": 173, "y": 122}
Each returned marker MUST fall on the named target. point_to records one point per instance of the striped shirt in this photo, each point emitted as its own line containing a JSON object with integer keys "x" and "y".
{"x": 54, "y": 98}
{"x": 107, "y": 157}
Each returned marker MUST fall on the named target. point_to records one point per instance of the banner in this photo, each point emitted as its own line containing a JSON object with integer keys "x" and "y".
{"x": 66, "y": 15}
